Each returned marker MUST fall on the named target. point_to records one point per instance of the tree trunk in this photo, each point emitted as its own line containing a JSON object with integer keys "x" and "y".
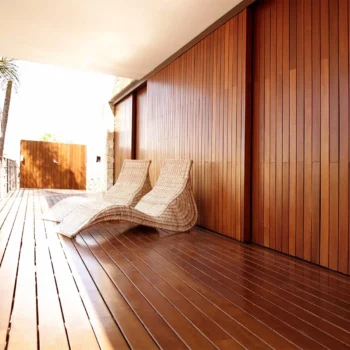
{"x": 5, "y": 115}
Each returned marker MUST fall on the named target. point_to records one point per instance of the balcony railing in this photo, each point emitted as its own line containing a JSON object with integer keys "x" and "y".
{"x": 9, "y": 176}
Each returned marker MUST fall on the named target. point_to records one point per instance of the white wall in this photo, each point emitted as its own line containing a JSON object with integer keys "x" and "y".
{"x": 71, "y": 105}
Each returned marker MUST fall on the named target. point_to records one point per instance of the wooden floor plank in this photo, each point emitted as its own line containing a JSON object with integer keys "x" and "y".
{"x": 126, "y": 317}
{"x": 121, "y": 312}
{"x": 205, "y": 324}
{"x": 23, "y": 331}
{"x": 242, "y": 317}
{"x": 106, "y": 330}
{"x": 6, "y": 203}
{"x": 52, "y": 332}
{"x": 309, "y": 283}
{"x": 319, "y": 328}
{"x": 310, "y": 271}
{"x": 145, "y": 264}
{"x": 79, "y": 329}
{"x": 8, "y": 270}
{"x": 185, "y": 330}
{"x": 335, "y": 300}
{"x": 120, "y": 286}
{"x": 240, "y": 264}
{"x": 261, "y": 298}
{"x": 8, "y": 197}
{"x": 6, "y": 221}
{"x": 269, "y": 318}
{"x": 245, "y": 253}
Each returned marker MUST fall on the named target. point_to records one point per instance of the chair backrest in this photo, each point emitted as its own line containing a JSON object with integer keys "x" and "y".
{"x": 173, "y": 179}
{"x": 133, "y": 183}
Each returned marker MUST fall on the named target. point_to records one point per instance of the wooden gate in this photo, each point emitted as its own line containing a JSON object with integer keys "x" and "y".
{"x": 53, "y": 165}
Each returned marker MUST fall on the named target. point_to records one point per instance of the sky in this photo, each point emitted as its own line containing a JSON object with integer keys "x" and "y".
{"x": 69, "y": 104}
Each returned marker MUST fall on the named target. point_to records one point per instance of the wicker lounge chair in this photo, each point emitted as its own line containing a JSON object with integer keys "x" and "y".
{"x": 169, "y": 205}
{"x": 132, "y": 184}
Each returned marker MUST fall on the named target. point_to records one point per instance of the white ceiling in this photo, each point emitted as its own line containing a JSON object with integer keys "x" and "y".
{"x": 116, "y": 37}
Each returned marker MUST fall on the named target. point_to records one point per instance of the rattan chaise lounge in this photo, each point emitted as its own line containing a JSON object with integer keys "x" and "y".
{"x": 132, "y": 184}
{"x": 170, "y": 205}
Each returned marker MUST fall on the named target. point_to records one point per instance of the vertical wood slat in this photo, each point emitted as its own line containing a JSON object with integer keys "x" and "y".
{"x": 292, "y": 124}
{"x": 312, "y": 144}
{"x": 333, "y": 134}
{"x": 300, "y": 128}
{"x": 255, "y": 236}
{"x": 123, "y": 133}
{"x": 23, "y": 334}
{"x": 141, "y": 123}
{"x": 53, "y": 165}
{"x": 344, "y": 256}
{"x": 316, "y": 131}
{"x": 246, "y": 165}
{"x": 279, "y": 127}
{"x": 307, "y": 219}
{"x": 285, "y": 118}
{"x": 267, "y": 127}
{"x": 272, "y": 126}
{"x": 198, "y": 107}
{"x": 324, "y": 237}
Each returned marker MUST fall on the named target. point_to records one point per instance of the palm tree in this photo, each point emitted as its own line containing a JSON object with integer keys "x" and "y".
{"x": 8, "y": 79}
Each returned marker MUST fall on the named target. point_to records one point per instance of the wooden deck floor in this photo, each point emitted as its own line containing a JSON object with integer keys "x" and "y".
{"x": 118, "y": 286}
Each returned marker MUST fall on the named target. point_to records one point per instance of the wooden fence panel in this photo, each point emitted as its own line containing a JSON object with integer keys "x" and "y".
{"x": 53, "y": 165}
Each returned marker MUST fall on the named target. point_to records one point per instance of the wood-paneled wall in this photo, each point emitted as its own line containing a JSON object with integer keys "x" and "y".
{"x": 53, "y": 165}
{"x": 300, "y": 202}
{"x": 123, "y": 133}
{"x": 141, "y": 132}
{"x": 198, "y": 107}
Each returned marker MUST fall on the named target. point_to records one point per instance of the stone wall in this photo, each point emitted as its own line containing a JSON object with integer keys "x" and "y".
{"x": 110, "y": 159}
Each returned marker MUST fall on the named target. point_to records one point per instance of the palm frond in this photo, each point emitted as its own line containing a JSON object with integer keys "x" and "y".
{"x": 8, "y": 72}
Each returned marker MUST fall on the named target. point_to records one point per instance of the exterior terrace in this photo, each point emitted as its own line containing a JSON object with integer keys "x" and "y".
{"x": 120, "y": 286}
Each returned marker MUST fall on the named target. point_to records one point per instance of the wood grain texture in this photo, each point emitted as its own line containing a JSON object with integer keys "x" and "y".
{"x": 121, "y": 286}
{"x": 53, "y": 165}
{"x": 123, "y": 133}
{"x": 293, "y": 152}
{"x": 199, "y": 107}
{"x": 344, "y": 256}
{"x": 141, "y": 123}
{"x": 312, "y": 104}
